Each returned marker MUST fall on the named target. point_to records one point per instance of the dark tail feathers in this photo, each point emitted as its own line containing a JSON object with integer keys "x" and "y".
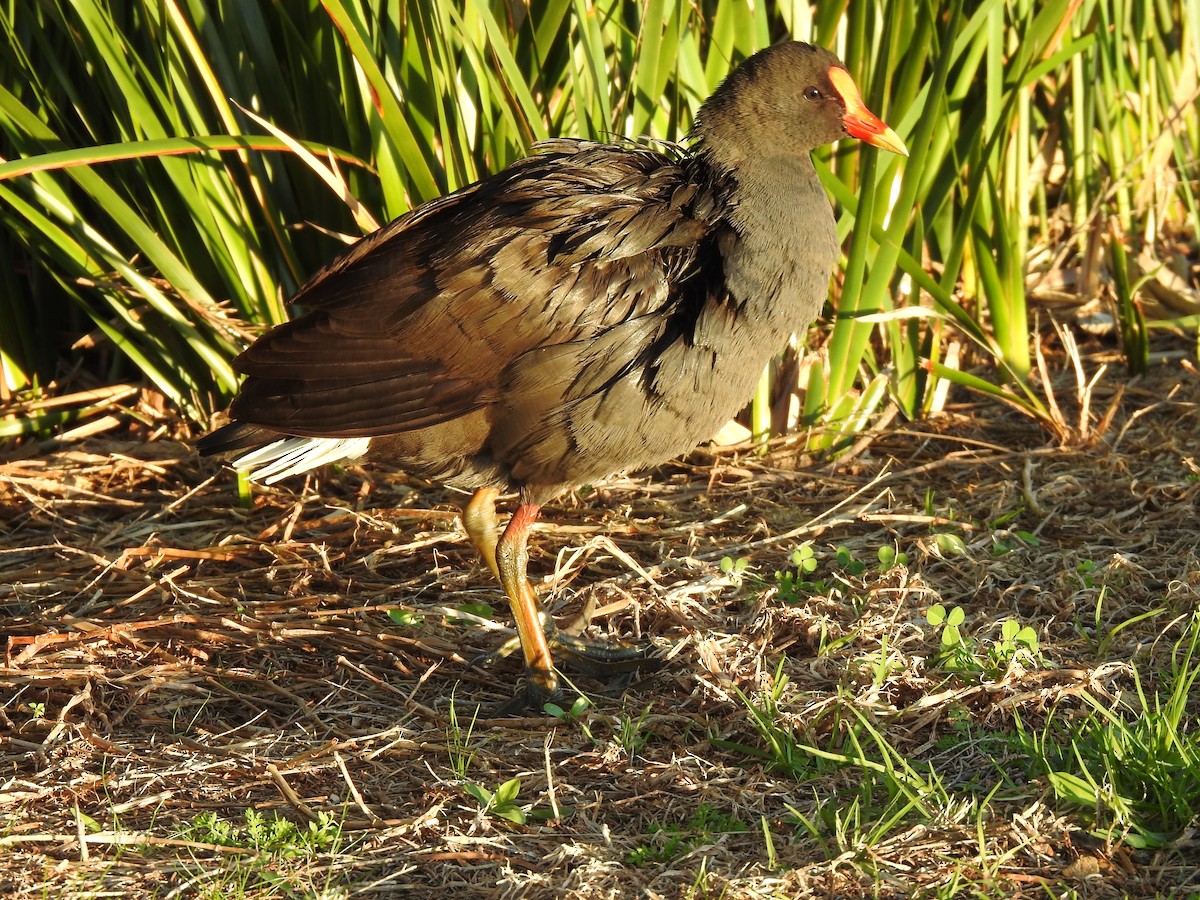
{"x": 235, "y": 436}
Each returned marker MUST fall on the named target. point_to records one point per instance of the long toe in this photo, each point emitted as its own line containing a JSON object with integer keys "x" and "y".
{"x": 603, "y": 658}
{"x": 505, "y": 650}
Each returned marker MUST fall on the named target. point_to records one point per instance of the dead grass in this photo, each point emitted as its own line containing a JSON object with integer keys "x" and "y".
{"x": 170, "y": 654}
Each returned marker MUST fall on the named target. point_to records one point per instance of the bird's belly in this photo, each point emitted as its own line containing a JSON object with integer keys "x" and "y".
{"x": 645, "y": 417}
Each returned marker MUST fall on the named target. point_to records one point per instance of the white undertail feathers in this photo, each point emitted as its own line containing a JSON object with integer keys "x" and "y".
{"x": 293, "y": 455}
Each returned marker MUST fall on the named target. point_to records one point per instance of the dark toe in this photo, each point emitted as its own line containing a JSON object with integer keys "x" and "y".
{"x": 536, "y": 690}
{"x": 603, "y": 658}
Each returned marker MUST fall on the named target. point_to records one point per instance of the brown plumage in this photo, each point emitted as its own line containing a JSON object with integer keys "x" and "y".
{"x": 589, "y": 309}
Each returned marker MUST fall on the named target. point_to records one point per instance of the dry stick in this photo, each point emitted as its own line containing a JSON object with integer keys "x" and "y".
{"x": 353, "y": 788}
{"x": 370, "y": 676}
{"x": 1109, "y": 414}
{"x": 1137, "y": 414}
{"x": 290, "y": 795}
{"x": 140, "y": 802}
{"x": 465, "y": 616}
{"x": 550, "y": 775}
{"x": 952, "y": 458}
{"x": 1056, "y": 415}
{"x": 916, "y": 519}
{"x": 158, "y": 554}
{"x": 84, "y": 855}
{"x": 811, "y": 525}
{"x": 1027, "y": 488}
{"x": 120, "y": 839}
{"x": 629, "y": 561}
{"x": 177, "y": 502}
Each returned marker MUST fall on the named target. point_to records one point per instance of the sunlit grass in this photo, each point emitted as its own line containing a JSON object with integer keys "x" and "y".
{"x": 143, "y": 209}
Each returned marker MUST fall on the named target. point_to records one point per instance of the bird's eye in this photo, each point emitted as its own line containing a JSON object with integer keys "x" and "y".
{"x": 812, "y": 94}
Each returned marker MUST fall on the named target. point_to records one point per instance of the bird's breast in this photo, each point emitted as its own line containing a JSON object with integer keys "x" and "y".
{"x": 779, "y": 264}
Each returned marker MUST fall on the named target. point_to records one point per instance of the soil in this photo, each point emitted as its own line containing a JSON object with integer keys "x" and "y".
{"x": 171, "y": 654}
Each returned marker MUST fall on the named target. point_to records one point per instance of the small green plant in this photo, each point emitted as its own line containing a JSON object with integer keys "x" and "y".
{"x": 1007, "y": 541}
{"x": 502, "y": 802}
{"x": 734, "y": 567}
{"x": 798, "y": 581}
{"x": 794, "y": 583}
{"x": 804, "y": 559}
{"x": 962, "y": 728}
{"x": 959, "y": 653}
{"x": 677, "y": 840}
{"x": 783, "y": 748}
{"x": 701, "y": 886}
{"x": 889, "y": 558}
{"x": 1103, "y": 635}
{"x": 954, "y": 646}
{"x": 647, "y": 854}
{"x": 1002, "y": 520}
{"x": 883, "y": 790}
{"x": 950, "y": 544}
{"x": 1087, "y": 572}
{"x": 769, "y": 845}
{"x": 245, "y": 495}
{"x": 274, "y": 837}
{"x": 851, "y": 566}
{"x": 478, "y": 610}
{"x": 578, "y": 708}
{"x": 572, "y": 716}
{"x": 406, "y": 618}
{"x": 1016, "y": 641}
{"x": 1135, "y": 772}
{"x": 37, "y": 709}
{"x": 458, "y": 744}
{"x": 630, "y": 733}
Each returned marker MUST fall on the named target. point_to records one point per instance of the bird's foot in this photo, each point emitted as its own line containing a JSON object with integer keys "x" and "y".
{"x": 505, "y": 650}
{"x": 616, "y": 662}
{"x": 536, "y": 690}
{"x": 591, "y": 657}
{"x": 602, "y": 658}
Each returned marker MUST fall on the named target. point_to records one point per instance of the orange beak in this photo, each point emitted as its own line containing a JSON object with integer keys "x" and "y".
{"x": 859, "y": 121}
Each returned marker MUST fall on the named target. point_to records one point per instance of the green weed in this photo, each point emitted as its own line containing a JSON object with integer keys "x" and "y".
{"x": 1133, "y": 770}
{"x": 677, "y": 840}
{"x": 502, "y": 802}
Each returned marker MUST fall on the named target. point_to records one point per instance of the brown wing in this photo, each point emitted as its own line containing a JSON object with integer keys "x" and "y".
{"x": 416, "y": 324}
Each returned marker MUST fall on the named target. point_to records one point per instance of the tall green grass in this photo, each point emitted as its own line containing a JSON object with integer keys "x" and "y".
{"x": 142, "y": 202}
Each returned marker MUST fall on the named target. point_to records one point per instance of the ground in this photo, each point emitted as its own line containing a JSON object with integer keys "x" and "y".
{"x": 198, "y": 699}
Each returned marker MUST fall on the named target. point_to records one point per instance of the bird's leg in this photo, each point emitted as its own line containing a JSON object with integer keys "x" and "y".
{"x": 507, "y": 556}
{"x": 479, "y": 519}
{"x": 512, "y": 558}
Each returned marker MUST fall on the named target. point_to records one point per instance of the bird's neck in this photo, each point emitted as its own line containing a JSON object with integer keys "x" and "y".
{"x": 786, "y": 246}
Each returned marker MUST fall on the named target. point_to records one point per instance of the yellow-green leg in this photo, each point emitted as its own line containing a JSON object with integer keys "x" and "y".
{"x": 479, "y": 520}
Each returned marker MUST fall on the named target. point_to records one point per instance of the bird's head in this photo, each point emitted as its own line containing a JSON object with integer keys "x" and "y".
{"x": 786, "y": 100}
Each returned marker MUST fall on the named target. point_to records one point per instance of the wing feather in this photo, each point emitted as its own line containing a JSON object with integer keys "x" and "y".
{"x": 416, "y": 324}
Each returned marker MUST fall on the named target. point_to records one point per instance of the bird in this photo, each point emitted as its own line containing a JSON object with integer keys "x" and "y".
{"x": 592, "y": 308}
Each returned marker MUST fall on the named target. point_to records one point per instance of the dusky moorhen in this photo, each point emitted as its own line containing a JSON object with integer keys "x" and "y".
{"x": 589, "y": 309}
